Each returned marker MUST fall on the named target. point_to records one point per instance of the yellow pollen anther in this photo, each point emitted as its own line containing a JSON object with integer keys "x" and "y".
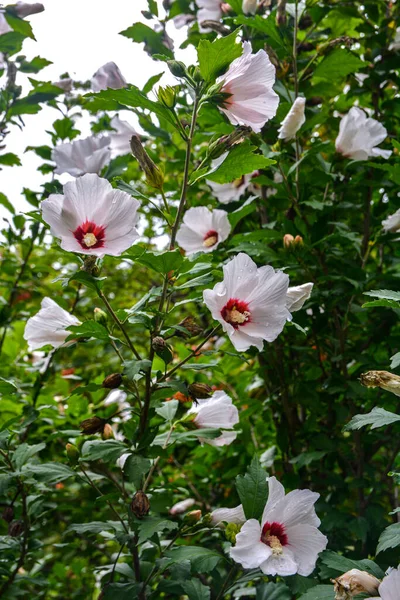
{"x": 235, "y": 316}
{"x": 89, "y": 239}
{"x": 274, "y": 543}
{"x": 210, "y": 241}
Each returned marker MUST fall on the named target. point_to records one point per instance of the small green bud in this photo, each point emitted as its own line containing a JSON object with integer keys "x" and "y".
{"x": 167, "y": 96}
{"x": 177, "y": 68}
{"x": 72, "y": 453}
{"x": 192, "y": 517}
{"x": 231, "y": 531}
{"x": 108, "y": 432}
{"x": 154, "y": 175}
{"x": 100, "y": 316}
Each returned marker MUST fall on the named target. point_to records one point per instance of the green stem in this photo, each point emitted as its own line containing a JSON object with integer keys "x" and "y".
{"x": 120, "y": 325}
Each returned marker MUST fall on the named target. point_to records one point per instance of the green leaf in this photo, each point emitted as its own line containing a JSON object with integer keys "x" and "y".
{"x": 319, "y": 592}
{"x": 253, "y": 490}
{"x": 4, "y": 201}
{"x": 49, "y": 473}
{"x": 382, "y": 303}
{"x": 341, "y": 564}
{"x": 9, "y": 159}
{"x": 162, "y": 262}
{"x": 390, "y": 538}
{"x": 196, "y": 590}
{"x": 305, "y": 458}
{"x": 152, "y": 82}
{"x": 94, "y": 283}
{"x": 109, "y": 450}
{"x": 168, "y": 409}
{"x": 132, "y": 368}
{"x": 122, "y": 591}
{"x": 88, "y": 329}
{"x": 139, "y": 32}
{"x": 92, "y": 527}
{"x": 35, "y": 65}
{"x": 246, "y": 209}
{"x": 273, "y": 591}
{"x": 240, "y": 161}
{"x": 135, "y": 468}
{"x": 7, "y": 387}
{"x": 215, "y": 57}
{"x": 202, "y": 559}
{"x": 378, "y": 417}
{"x": 385, "y": 294}
{"x": 266, "y": 26}
{"x": 24, "y": 452}
{"x": 338, "y": 64}
{"x": 20, "y": 26}
{"x": 151, "y": 525}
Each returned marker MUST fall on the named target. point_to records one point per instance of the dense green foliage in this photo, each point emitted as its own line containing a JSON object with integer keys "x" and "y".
{"x": 78, "y": 534}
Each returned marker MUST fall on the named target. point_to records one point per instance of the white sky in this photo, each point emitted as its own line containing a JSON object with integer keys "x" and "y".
{"x": 78, "y": 36}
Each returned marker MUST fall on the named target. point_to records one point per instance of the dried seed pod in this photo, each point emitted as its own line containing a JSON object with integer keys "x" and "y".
{"x": 355, "y": 582}
{"x": 199, "y": 391}
{"x": 15, "y": 528}
{"x": 383, "y": 379}
{"x": 112, "y": 381}
{"x": 190, "y": 324}
{"x": 92, "y": 425}
{"x": 140, "y": 504}
{"x": 8, "y": 514}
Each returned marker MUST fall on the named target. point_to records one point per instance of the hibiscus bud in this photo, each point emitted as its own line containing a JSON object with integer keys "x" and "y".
{"x": 192, "y": 517}
{"x": 355, "y": 582}
{"x": 167, "y": 96}
{"x": 190, "y": 324}
{"x": 281, "y": 13}
{"x": 177, "y": 68}
{"x": 8, "y": 514}
{"x": 199, "y": 391}
{"x": 112, "y": 381}
{"x": 108, "y": 432}
{"x": 92, "y": 425}
{"x": 226, "y": 142}
{"x": 100, "y": 316}
{"x": 158, "y": 344}
{"x": 383, "y": 379}
{"x": 72, "y": 453}
{"x": 288, "y": 240}
{"x": 298, "y": 240}
{"x": 140, "y": 504}
{"x": 249, "y": 7}
{"x": 182, "y": 506}
{"x": 15, "y": 528}
{"x": 231, "y": 531}
{"x": 154, "y": 176}
{"x": 24, "y": 9}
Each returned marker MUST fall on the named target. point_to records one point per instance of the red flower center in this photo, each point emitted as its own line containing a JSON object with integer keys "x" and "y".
{"x": 274, "y": 536}
{"x": 90, "y": 235}
{"x": 210, "y": 239}
{"x": 236, "y": 312}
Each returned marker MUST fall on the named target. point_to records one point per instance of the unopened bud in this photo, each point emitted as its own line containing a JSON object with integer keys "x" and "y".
{"x": 8, "y": 514}
{"x": 140, "y": 504}
{"x": 200, "y": 391}
{"x": 281, "y": 13}
{"x": 24, "y": 9}
{"x": 154, "y": 175}
{"x": 158, "y": 344}
{"x": 249, "y": 7}
{"x": 298, "y": 240}
{"x": 215, "y": 26}
{"x": 167, "y": 96}
{"x": 288, "y": 240}
{"x": 223, "y": 144}
{"x": 177, "y": 68}
{"x": 92, "y": 425}
{"x": 192, "y": 517}
{"x": 100, "y": 316}
{"x": 195, "y": 73}
{"x": 113, "y": 381}
{"x": 108, "y": 432}
{"x": 383, "y": 379}
{"x": 182, "y": 506}
{"x": 231, "y": 531}
{"x": 190, "y": 324}
{"x": 15, "y": 528}
{"x": 72, "y": 453}
{"x": 355, "y": 582}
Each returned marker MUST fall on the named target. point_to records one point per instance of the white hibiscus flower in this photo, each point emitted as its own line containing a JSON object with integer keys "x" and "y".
{"x": 217, "y": 412}
{"x": 360, "y": 135}
{"x": 108, "y": 76}
{"x": 92, "y": 217}
{"x": 48, "y": 326}
{"x": 389, "y": 589}
{"x": 203, "y": 229}
{"x": 392, "y": 222}
{"x": 88, "y": 155}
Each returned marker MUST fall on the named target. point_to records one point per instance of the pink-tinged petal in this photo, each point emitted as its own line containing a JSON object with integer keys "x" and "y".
{"x": 249, "y": 551}
{"x": 283, "y": 564}
{"x": 228, "y": 515}
{"x": 120, "y": 137}
{"x": 108, "y": 76}
{"x": 390, "y": 586}
{"x": 298, "y": 295}
{"x": 215, "y": 412}
{"x": 359, "y": 136}
{"x": 88, "y": 155}
{"x": 306, "y": 542}
{"x": 226, "y": 438}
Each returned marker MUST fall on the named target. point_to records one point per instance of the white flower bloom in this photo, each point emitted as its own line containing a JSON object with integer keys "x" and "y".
{"x": 92, "y": 217}
{"x": 48, "y": 326}
{"x": 119, "y": 397}
{"x": 4, "y": 26}
{"x": 293, "y": 120}
{"x": 89, "y": 155}
{"x": 203, "y": 229}
{"x": 249, "y": 81}
{"x": 288, "y": 540}
{"x": 182, "y": 506}
{"x": 249, "y": 7}
{"x": 209, "y": 10}
{"x": 230, "y": 192}
{"x": 229, "y": 515}
{"x": 390, "y": 586}
{"x": 392, "y": 222}
{"x": 64, "y": 84}
{"x": 217, "y": 412}
{"x": 297, "y": 295}
{"x": 24, "y": 9}
{"x": 395, "y": 45}
{"x": 121, "y": 138}
{"x": 359, "y": 136}
{"x": 250, "y": 302}
{"x": 108, "y": 76}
